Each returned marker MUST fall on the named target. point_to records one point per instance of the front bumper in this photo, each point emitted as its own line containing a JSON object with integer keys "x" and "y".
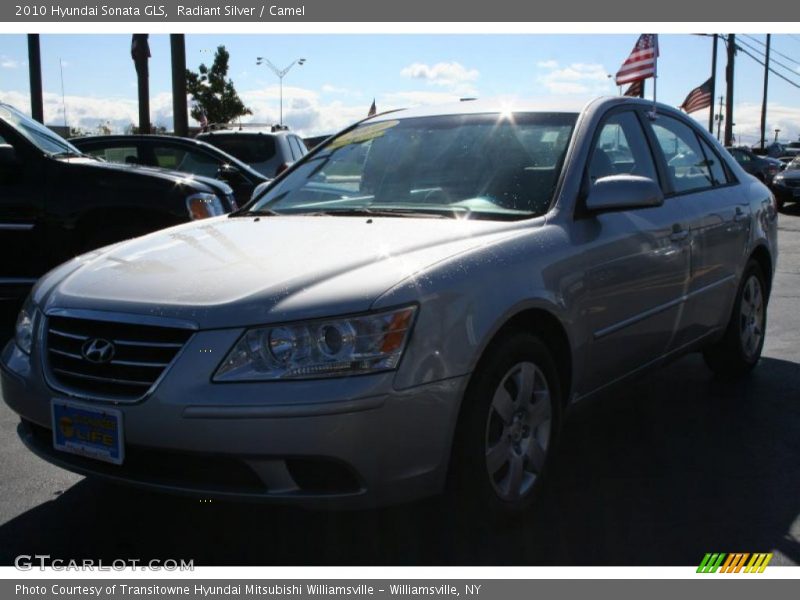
{"x": 335, "y": 443}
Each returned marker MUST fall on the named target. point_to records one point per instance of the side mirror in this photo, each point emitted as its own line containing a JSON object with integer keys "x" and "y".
{"x": 229, "y": 174}
{"x": 623, "y": 192}
{"x": 8, "y": 156}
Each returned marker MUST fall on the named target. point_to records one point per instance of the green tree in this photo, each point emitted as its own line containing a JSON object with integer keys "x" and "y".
{"x": 213, "y": 93}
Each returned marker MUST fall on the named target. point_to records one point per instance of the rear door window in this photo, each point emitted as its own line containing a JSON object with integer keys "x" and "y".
{"x": 687, "y": 167}
{"x": 118, "y": 154}
{"x": 714, "y": 163}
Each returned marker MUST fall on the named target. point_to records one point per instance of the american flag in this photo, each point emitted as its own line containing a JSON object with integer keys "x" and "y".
{"x": 641, "y": 63}
{"x": 698, "y": 98}
{"x": 636, "y": 89}
{"x": 372, "y": 110}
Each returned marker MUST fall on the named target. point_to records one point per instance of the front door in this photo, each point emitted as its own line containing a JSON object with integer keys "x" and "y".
{"x": 636, "y": 264}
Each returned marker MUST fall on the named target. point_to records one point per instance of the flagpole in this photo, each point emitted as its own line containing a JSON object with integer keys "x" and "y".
{"x": 655, "y": 73}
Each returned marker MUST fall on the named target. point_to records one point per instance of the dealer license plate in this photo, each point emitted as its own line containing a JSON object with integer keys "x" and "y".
{"x": 92, "y": 431}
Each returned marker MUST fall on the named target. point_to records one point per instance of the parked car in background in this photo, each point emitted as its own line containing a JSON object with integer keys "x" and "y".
{"x": 409, "y": 309}
{"x": 270, "y": 151}
{"x": 763, "y": 168}
{"x": 786, "y": 184}
{"x": 175, "y": 153}
{"x": 56, "y": 202}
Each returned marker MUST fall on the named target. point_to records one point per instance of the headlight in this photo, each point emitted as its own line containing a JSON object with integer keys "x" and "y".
{"x": 779, "y": 177}
{"x": 202, "y": 206}
{"x": 23, "y": 332}
{"x": 322, "y": 348}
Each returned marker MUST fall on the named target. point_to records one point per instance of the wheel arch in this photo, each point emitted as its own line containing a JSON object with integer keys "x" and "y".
{"x": 762, "y": 256}
{"x": 546, "y": 325}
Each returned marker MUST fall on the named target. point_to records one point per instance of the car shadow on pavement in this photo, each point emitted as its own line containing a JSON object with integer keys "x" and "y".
{"x": 658, "y": 472}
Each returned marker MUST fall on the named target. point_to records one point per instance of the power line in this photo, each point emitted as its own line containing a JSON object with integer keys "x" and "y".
{"x": 761, "y": 54}
{"x": 774, "y": 51}
{"x": 787, "y": 80}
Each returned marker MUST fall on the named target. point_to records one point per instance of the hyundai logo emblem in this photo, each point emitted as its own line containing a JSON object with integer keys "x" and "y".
{"x": 97, "y": 350}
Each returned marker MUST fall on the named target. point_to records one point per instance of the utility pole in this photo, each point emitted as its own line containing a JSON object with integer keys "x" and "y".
{"x": 729, "y": 92}
{"x": 713, "y": 83}
{"x": 140, "y": 53}
{"x": 180, "y": 118}
{"x": 35, "y": 74}
{"x": 719, "y": 117}
{"x": 764, "y": 101}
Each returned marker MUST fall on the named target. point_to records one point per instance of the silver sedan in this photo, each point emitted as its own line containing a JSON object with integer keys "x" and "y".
{"x": 407, "y": 310}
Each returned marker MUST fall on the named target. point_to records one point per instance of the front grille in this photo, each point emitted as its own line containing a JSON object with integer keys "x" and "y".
{"x": 792, "y": 183}
{"x": 140, "y": 355}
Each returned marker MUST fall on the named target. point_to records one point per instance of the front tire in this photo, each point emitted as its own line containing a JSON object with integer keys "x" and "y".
{"x": 509, "y": 427}
{"x": 740, "y": 349}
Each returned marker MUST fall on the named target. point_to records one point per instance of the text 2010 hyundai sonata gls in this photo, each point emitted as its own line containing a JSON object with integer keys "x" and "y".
{"x": 410, "y": 308}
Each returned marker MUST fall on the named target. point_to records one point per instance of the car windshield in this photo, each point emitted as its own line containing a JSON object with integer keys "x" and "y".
{"x": 40, "y": 136}
{"x": 496, "y": 166}
{"x": 794, "y": 164}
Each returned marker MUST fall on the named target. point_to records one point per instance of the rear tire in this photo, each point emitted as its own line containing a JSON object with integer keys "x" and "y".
{"x": 508, "y": 429}
{"x": 739, "y": 350}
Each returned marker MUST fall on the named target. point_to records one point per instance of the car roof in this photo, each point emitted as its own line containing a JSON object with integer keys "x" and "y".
{"x": 137, "y": 137}
{"x": 245, "y": 131}
{"x": 565, "y": 105}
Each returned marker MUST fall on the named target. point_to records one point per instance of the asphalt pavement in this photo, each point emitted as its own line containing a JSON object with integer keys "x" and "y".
{"x": 658, "y": 472}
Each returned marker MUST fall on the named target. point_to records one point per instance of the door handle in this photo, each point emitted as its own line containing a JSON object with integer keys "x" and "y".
{"x": 740, "y": 215}
{"x": 678, "y": 234}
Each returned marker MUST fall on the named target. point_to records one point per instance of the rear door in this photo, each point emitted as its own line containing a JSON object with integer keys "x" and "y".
{"x": 718, "y": 218}
{"x": 636, "y": 262}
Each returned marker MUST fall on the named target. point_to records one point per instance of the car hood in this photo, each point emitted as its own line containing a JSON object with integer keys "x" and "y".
{"x": 790, "y": 173}
{"x": 227, "y": 272}
{"x": 205, "y": 184}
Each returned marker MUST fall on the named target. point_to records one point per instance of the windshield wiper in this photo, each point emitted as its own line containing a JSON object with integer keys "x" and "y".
{"x": 381, "y": 212}
{"x": 256, "y": 212}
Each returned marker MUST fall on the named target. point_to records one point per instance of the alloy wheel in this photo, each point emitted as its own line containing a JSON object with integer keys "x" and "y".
{"x": 518, "y": 431}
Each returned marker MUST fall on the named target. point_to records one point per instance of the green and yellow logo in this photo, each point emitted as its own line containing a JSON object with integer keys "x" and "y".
{"x": 734, "y": 563}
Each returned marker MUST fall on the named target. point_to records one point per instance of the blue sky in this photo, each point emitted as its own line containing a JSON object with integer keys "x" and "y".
{"x": 344, "y": 72}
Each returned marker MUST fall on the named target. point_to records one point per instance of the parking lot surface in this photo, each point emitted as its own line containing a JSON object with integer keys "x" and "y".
{"x": 658, "y": 472}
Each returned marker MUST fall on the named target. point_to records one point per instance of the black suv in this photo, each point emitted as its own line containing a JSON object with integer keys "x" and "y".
{"x": 56, "y": 202}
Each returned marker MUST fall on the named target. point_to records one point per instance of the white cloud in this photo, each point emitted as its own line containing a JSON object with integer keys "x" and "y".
{"x": 6, "y": 62}
{"x": 415, "y": 98}
{"x": 453, "y": 75}
{"x": 747, "y": 122}
{"x": 342, "y": 91}
{"x": 575, "y": 78}
{"x": 87, "y": 112}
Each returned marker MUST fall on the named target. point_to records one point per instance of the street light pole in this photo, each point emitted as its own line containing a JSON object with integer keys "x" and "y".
{"x": 281, "y": 73}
